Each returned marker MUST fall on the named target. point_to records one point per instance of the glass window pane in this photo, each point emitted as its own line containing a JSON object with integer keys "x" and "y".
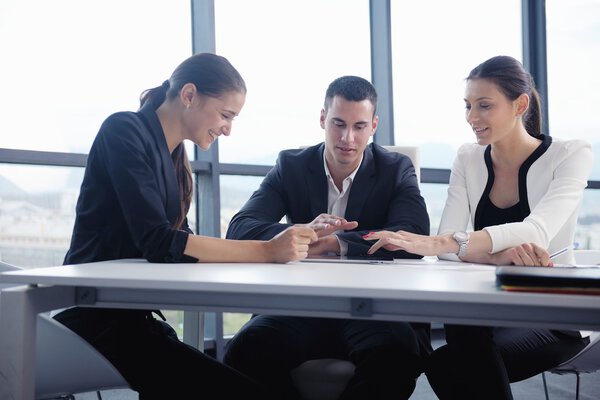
{"x": 432, "y": 54}
{"x": 235, "y": 191}
{"x": 587, "y": 234}
{"x": 573, "y": 34}
{"x": 287, "y": 62}
{"x": 72, "y": 63}
{"x": 37, "y": 211}
{"x": 232, "y": 322}
{"x": 435, "y": 199}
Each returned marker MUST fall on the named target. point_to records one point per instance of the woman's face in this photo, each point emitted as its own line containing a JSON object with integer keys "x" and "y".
{"x": 210, "y": 117}
{"x": 491, "y": 114}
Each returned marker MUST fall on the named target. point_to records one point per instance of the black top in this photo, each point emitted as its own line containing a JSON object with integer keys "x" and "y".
{"x": 129, "y": 199}
{"x": 487, "y": 214}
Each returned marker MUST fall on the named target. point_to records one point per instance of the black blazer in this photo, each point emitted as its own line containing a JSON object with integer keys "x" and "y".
{"x": 129, "y": 198}
{"x": 384, "y": 195}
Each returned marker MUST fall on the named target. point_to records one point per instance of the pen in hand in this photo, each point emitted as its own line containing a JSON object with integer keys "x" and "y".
{"x": 561, "y": 251}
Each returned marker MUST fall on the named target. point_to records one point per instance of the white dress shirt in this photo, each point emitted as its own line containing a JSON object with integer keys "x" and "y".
{"x": 338, "y": 201}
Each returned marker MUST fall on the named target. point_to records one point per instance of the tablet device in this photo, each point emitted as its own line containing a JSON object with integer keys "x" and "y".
{"x": 349, "y": 259}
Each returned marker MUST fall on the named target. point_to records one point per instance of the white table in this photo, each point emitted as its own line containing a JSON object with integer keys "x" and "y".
{"x": 410, "y": 290}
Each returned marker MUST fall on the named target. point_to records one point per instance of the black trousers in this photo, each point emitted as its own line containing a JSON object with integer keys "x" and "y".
{"x": 388, "y": 356}
{"x": 481, "y": 362}
{"x": 153, "y": 360}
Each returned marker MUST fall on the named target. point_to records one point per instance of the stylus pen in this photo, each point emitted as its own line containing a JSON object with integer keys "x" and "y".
{"x": 561, "y": 251}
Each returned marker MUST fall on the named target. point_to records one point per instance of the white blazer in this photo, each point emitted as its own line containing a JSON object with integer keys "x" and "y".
{"x": 554, "y": 184}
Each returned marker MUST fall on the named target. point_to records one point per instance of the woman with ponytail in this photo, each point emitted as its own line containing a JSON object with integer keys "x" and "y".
{"x": 521, "y": 191}
{"x": 133, "y": 203}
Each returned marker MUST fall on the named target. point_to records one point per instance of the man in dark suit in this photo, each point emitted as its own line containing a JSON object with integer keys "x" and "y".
{"x": 343, "y": 189}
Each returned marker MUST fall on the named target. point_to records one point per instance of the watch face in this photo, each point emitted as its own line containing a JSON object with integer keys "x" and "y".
{"x": 461, "y": 236}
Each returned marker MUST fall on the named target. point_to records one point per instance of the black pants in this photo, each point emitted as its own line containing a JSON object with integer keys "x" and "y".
{"x": 388, "y": 356}
{"x": 481, "y": 362}
{"x": 153, "y": 360}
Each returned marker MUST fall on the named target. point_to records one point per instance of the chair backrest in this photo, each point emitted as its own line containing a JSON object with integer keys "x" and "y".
{"x": 587, "y": 360}
{"x": 65, "y": 362}
{"x": 411, "y": 152}
{"x": 322, "y": 379}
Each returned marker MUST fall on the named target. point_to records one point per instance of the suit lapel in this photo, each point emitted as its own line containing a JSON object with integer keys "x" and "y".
{"x": 316, "y": 182}
{"x": 171, "y": 189}
{"x": 364, "y": 180}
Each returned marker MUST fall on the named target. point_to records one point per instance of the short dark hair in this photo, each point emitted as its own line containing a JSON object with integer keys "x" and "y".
{"x": 351, "y": 88}
{"x": 513, "y": 80}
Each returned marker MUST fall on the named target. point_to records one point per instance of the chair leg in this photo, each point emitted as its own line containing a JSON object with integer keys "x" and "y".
{"x": 577, "y": 389}
{"x": 545, "y": 385}
{"x": 98, "y": 394}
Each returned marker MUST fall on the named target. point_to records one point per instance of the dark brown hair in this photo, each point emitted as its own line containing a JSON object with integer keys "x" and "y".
{"x": 213, "y": 76}
{"x": 513, "y": 80}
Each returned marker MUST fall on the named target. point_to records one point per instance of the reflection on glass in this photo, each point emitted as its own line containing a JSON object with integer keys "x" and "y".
{"x": 432, "y": 54}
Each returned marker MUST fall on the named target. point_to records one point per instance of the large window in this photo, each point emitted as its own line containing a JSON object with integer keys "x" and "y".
{"x": 432, "y": 54}
{"x": 288, "y": 53}
{"x": 573, "y": 35}
{"x": 62, "y": 76}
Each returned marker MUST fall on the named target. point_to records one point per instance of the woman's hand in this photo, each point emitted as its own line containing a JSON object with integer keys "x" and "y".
{"x": 326, "y": 224}
{"x": 291, "y": 244}
{"x": 410, "y": 242}
{"x": 528, "y": 254}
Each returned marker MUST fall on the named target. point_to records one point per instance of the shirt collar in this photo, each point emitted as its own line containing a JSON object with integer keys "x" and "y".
{"x": 349, "y": 177}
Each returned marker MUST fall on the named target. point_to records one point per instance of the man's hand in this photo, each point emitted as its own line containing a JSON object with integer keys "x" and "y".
{"x": 325, "y": 244}
{"x": 291, "y": 244}
{"x": 326, "y": 224}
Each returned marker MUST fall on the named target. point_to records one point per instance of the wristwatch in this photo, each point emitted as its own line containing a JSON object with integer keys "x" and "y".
{"x": 462, "y": 238}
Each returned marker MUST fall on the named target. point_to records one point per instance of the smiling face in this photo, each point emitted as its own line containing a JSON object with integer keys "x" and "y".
{"x": 348, "y": 127}
{"x": 491, "y": 114}
{"x": 207, "y": 117}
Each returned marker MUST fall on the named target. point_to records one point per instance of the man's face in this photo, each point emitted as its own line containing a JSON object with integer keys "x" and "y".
{"x": 348, "y": 127}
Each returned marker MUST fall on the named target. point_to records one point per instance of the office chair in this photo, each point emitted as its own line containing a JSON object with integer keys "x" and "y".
{"x": 588, "y": 359}
{"x": 326, "y": 379}
{"x": 65, "y": 362}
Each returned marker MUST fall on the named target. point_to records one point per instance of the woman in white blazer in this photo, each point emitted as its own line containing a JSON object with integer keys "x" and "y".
{"x": 520, "y": 190}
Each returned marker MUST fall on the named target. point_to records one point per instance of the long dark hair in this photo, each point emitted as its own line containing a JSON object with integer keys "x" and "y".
{"x": 212, "y": 75}
{"x": 513, "y": 80}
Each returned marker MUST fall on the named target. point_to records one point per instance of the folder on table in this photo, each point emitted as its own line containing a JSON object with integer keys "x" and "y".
{"x": 568, "y": 280}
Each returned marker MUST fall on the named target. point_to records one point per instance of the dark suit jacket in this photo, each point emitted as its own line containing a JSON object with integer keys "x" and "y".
{"x": 129, "y": 199}
{"x": 384, "y": 195}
